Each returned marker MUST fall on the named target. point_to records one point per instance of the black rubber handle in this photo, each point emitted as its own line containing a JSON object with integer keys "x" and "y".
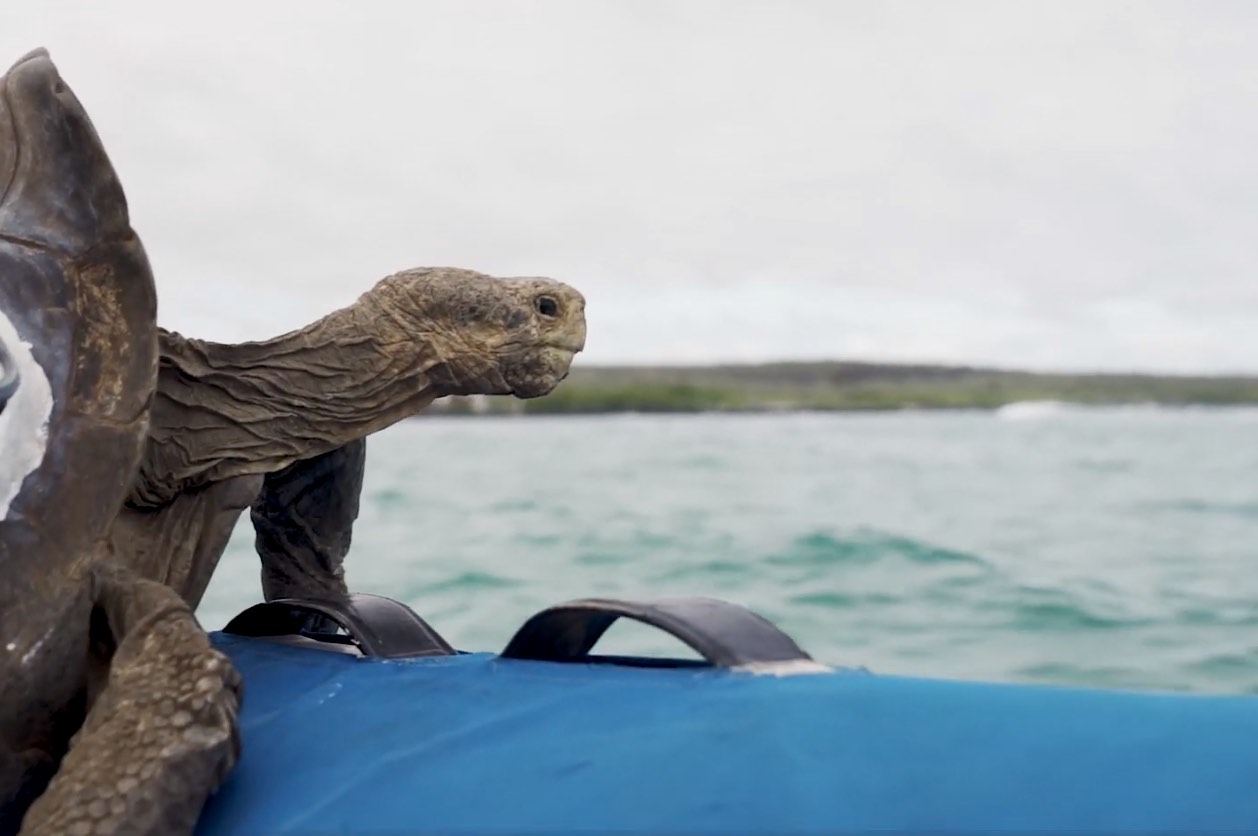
{"x": 724, "y": 634}
{"x": 9, "y": 377}
{"x": 380, "y": 627}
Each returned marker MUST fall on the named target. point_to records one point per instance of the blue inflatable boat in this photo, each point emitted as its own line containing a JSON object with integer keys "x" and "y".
{"x": 359, "y": 718}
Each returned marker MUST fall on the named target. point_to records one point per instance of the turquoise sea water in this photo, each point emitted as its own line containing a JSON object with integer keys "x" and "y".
{"x": 1106, "y": 547}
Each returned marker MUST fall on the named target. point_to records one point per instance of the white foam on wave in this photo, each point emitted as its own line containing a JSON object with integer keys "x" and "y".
{"x": 24, "y": 422}
{"x": 1031, "y": 410}
{"x": 1041, "y": 410}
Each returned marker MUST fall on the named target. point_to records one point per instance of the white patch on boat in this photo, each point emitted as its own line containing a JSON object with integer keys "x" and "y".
{"x": 793, "y": 667}
{"x": 329, "y": 694}
{"x": 24, "y": 422}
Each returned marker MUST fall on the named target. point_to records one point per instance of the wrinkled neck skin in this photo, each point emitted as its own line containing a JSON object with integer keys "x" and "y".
{"x": 232, "y": 410}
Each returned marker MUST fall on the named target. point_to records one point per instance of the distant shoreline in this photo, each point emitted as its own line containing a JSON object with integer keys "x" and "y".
{"x": 848, "y": 387}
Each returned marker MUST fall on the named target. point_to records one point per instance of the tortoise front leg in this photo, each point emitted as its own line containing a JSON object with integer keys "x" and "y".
{"x": 162, "y": 734}
{"x": 304, "y": 518}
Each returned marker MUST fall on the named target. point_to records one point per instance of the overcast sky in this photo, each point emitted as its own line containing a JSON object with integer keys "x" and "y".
{"x": 1054, "y": 184}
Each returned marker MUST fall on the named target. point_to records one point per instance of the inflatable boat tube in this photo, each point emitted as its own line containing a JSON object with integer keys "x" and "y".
{"x": 358, "y": 717}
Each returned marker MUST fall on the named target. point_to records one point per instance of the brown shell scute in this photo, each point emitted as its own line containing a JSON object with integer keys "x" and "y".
{"x": 64, "y": 194}
{"x": 114, "y": 378}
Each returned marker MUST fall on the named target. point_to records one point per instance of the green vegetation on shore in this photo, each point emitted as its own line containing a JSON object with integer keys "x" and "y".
{"x": 849, "y": 386}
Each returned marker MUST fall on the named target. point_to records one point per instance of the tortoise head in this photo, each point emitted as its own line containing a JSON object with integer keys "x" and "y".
{"x": 478, "y": 334}
{"x": 58, "y": 190}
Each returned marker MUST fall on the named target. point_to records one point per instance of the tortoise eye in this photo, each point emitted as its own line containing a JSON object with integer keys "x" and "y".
{"x": 547, "y": 306}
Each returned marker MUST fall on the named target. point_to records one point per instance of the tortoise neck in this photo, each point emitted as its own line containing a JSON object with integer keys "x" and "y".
{"x": 257, "y": 407}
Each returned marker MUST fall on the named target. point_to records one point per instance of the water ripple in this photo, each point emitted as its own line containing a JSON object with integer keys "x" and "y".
{"x": 840, "y": 600}
{"x": 865, "y": 546}
{"x": 1100, "y": 547}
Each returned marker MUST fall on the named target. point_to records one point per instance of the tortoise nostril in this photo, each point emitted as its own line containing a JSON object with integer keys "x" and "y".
{"x": 547, "y": 306}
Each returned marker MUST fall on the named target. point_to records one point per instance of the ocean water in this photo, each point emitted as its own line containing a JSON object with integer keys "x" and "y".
{"x": 1108, "y": 547}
